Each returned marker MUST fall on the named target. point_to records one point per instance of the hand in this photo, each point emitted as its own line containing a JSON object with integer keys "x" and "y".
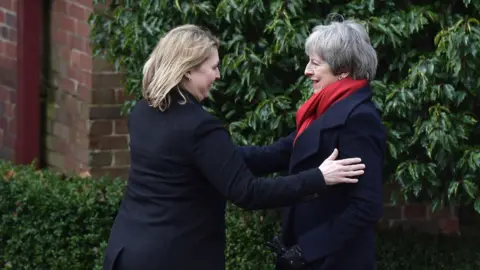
{"x": 291, "y": 258}
{"x": 341, "y": 171}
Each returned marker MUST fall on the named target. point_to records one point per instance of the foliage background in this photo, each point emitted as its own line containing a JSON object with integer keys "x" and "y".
{"x": 427, "y": 83}
{"x": 426, "y": 86}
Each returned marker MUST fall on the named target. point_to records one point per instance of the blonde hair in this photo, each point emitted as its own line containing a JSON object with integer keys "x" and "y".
{"x": 180, "y": 50}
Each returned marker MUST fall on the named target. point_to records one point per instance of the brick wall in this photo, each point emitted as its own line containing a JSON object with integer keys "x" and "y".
{"x": 84, "y": 129}
{"x": 418, "y": 216}
{"x": 8, "y": 75}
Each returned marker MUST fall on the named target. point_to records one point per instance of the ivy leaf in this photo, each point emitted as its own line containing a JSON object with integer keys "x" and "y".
{"x": 477, "y": 205}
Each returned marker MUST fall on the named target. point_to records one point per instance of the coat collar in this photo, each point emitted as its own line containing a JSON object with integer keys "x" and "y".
{"x": 308, "y": 143}
{"x": 184, "y": 94}
{"x": 339, "y": 112}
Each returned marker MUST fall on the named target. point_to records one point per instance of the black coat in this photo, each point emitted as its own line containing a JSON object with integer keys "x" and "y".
{"x": 336, "y": 229}
{"x": 183, "y": 168}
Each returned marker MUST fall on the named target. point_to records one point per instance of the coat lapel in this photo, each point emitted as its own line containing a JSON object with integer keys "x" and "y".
{"x": 309, "y": 142}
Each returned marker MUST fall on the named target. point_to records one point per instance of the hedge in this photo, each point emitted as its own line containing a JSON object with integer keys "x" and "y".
{"x": 52, "y": 221}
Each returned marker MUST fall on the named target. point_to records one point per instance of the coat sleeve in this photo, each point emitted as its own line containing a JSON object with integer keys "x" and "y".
{"x": 363, "y": 136}
{"x": 215, "y": 156}
{"x": 270, "y": 158}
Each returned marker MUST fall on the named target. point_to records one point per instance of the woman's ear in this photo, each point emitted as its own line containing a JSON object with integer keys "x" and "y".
{"x": 343, "y": 75}
{"x": 187, "y": 75}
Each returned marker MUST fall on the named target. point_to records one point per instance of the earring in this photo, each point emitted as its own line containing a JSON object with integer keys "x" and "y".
{"x": 341, "y": 77}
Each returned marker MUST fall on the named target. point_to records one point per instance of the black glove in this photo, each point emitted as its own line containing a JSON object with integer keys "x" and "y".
{"x": 291, "y": 258}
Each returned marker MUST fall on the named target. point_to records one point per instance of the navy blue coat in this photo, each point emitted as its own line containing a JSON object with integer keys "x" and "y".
{"x": 335, "y": 230}
{"x": 184, "y": 167}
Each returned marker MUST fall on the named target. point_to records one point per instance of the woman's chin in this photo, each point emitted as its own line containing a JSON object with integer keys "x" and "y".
{"x": 316, "y": 90}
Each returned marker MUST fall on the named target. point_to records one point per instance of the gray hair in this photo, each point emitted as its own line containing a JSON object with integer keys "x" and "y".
{"x": 345, "y": 47}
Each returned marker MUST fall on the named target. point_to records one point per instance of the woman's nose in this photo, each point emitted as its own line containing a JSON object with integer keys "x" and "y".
{"x": 308, "y": 71}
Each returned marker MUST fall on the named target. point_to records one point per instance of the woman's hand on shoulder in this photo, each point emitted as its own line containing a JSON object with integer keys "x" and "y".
{"x": 341, "y": 171}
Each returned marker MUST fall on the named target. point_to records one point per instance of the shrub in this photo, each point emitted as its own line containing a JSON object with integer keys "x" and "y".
{"x": 50, "y": 221}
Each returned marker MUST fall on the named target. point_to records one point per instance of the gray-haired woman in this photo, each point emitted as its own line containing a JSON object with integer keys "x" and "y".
{"x": 184, "y": 166}
{"x": 335, "y": 229}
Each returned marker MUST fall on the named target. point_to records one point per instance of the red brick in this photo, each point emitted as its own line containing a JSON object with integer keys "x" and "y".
{"x": 61, "y": 37}
{"x": 83, "y": 29}
{"x": 419, "y": 225}
{"x": 109, "y": 142}
{"x": 107, "y": 81}
{"x": 77, "y": 75}
{"x": 66, "y": 23}
{"x": 9, "y": 109}
{"x": 7, "y": 4}
{"x": 81, "y": 60}
{"x": 67, "y": 85}
{"x": 69, "y": 164}
{"x": 77, "y": 12}
{"x": 8, "y": 72}
{"x": 10, "y": 50}
{"x": 81, "y": 44}
{"x": 81, "y": 151}
{"x": 75, "y": 58}
{"x": 415, "y": 211}
{"x": 56, "y": 159}
{"x": 2, "y": 16}
{"x": 61, "y": 130}
{"x": 392, "y": 212}
{"x": 3, "y": 123}
{"x": 121, "y": 158}
{"x": 439, "y": 214}
{"x": 101, "y": 127}
{"x": 62, "y": 54}
{"x": 101, "y": 159}
{"x": 8, "y": 33}
{"x": 103, "y": 97}
{"x": 88, "y": 4}
{"x": 71, "y": 104}
{"x": 9, "y": 139}
{"x": 60, "y": 146}
{"x": 122, "y": 96}
{"x": 4, "y": 93}
{"x": 121, "y": 126}
{"x": 11, "y": 20}
{"x": 59, "y": 7}
{"x": 12, "y": 126}
{"x": 13, "y": 35}
{"x": 105, "y": 112}
{"x": 84, "y": 93}
{"x": 450, "y": 226}
{"x": 83, "y": 109}
{"x": 99, "y": 64}
{"x": 112, "y": 172}
{"x": 3, "y": 48}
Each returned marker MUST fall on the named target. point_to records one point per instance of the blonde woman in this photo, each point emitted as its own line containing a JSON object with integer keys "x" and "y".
{"x": 184, "y": 166}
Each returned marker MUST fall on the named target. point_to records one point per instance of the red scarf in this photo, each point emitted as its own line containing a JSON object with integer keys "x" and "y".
{"x": 317, "y": 104}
